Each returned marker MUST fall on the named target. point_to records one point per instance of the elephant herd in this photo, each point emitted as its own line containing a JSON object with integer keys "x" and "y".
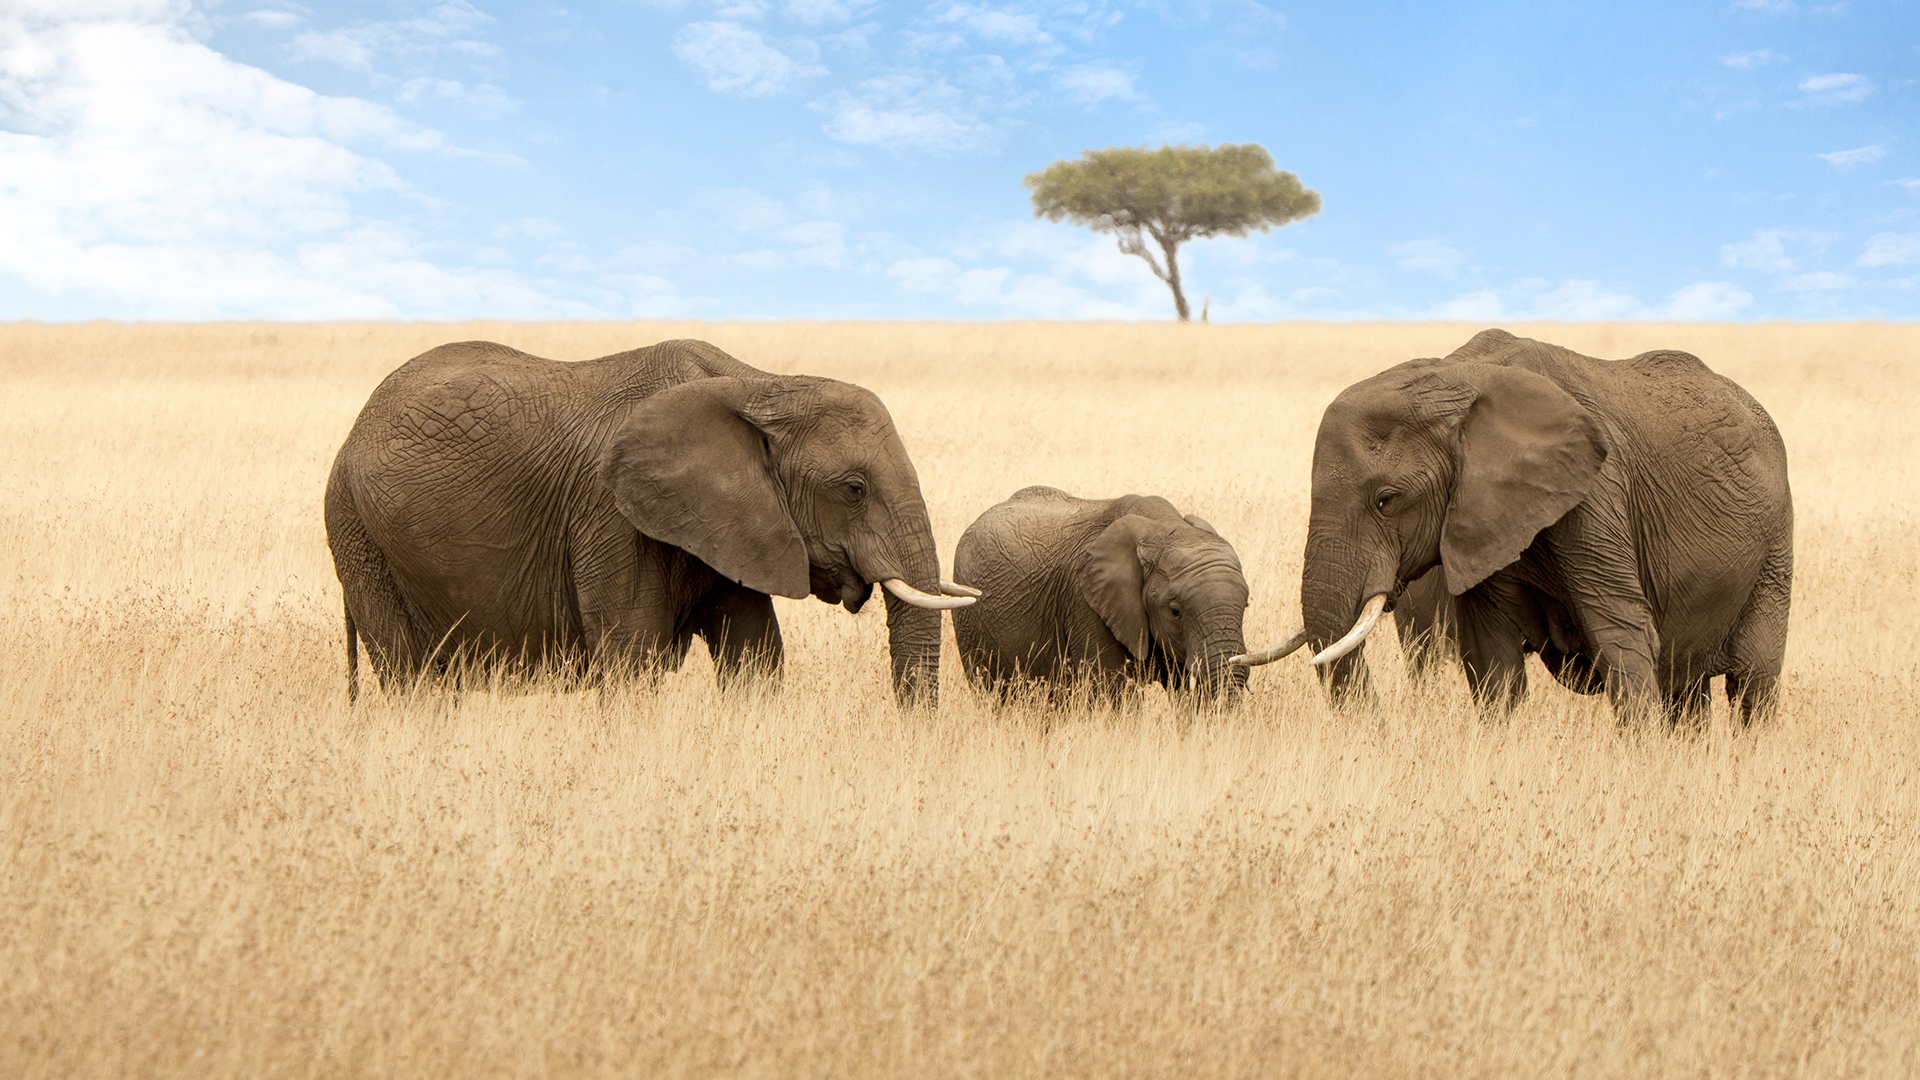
{"x": 1629, "y": 521}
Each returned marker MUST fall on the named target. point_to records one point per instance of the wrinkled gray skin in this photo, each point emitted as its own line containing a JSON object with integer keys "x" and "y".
{"x": 1100, "y": 590}
{"x": 595, "y": 517}
{"x": 1628, "y": 520}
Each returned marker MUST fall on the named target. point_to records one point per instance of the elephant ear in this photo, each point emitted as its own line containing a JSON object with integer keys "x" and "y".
{"x": 688, "y": 468}
{"x": 1527, "y": 453}
{"x": 1113, "y": 582}
{"x": 1200, "y": 523}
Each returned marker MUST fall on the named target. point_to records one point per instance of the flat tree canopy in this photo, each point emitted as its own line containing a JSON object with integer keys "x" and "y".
{"x": 1172, "y": 194}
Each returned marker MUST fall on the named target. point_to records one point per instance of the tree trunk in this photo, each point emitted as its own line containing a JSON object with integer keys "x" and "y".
{"x": 1170, "y": 248}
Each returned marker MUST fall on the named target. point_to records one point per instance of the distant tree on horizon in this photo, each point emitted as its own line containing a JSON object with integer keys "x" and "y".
{"x": 1172, "y": 195}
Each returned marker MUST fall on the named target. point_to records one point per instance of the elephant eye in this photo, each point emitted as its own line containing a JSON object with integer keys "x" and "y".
{"x": 1174, "y": 607}
{"x": 1385, "y": 498}
{"x": 856, "y": 487}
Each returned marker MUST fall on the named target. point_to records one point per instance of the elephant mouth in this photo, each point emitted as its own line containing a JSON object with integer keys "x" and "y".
{"x": 842, "y": 587}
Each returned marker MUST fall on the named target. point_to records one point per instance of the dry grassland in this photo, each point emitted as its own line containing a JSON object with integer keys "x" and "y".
{"x": 211, "y": 867}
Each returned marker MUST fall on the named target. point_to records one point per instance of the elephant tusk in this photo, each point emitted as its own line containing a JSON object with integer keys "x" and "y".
{"x": 1361, "y": 628}
{"x": 926, "y": 600}
{"x": 952, "y": 588}
{"x": 1268, "y": 656}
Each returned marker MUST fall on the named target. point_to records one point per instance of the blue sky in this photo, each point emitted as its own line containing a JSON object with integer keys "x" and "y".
{"x": 165, "y": 159}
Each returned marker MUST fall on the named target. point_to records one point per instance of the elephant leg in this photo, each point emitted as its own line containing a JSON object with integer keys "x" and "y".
{"x": 1492, "y": 644}
{"x": 1688, "y": 703}
{"x": 1757, "y": 646}
{"x": 375, "y": 610}
{"x": 1752, "y": 697}
{"x": 741, "y": 632}
{"x": 625, "y": 588}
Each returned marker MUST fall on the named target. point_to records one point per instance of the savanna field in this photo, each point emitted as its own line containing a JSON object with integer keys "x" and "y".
{"x": 211, "y": 866}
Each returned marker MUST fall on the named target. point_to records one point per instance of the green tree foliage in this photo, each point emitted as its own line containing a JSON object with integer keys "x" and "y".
{"x": 1171, "y": 195}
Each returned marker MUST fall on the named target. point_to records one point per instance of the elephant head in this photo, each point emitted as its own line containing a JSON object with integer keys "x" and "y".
{"x": 791, "y": 486}
{"x": 1447, "y": 462}
{"x": 1172, "y": 593}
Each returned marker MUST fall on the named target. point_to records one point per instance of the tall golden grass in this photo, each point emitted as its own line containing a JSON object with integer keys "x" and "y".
{"x": 210, "y": 866}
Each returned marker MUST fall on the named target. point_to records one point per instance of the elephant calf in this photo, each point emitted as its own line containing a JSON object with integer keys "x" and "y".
{"x": 1100, "y": 590}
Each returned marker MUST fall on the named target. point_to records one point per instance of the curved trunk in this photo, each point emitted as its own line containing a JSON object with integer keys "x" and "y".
{"x": 1209, "y": 648}
{"x": 1218, "y": 675}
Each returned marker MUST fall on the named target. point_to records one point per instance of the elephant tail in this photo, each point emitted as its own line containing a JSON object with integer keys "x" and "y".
{"x": 353, "y": 660}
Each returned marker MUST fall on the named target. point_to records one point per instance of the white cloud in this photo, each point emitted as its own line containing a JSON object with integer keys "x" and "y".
{"x": 1039, "y": 296}
{"x": 1095, "y": 82}
{"x": 1847, "y": 159}
{"x": 445, "y": 31}
{"x": 145, "y": 168}
{"x": 1706, "y": 300}
{"x": 485, "y": 96}
{"x": 341, "y": 48}
{"x": 273, "y": 20}
{"x": 1010, "y": 27}
{"x": 1766, "y": 251}
{"x": 1039, "y": 270}
{"x": 823, "y": 12}
{"x": 1436, "y": 257}
{"x": 1771, "y": 7}
{"x": 1756, "y": 58}
{"x": 1819, "y": 281}
{"x": 741, "y": 9}
{"x": 1483, "y": 305}
{"x": 742, "y": 210}
{"x": 536, "y": 228}
{"x": 904, "y": 112}
{"x": 1584, "y": 300}
{"x": 1911, "y": 183}
{"x": 924, "y": 274}
{"x": 646, "y": 296}
{"x": 1839, "y": 87}
{"x": 1891, "y": 249}
{"x": 737, "y": 60}
{"x": 1532, "y": 299}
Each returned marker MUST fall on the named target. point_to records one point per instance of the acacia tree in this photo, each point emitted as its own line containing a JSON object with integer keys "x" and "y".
{"x": 1172, "y": 195}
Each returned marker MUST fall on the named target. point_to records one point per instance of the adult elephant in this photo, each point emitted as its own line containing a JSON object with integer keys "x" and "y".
{"x": 1628, "y": 520}
{"x": 491, "y": 506}
{"x": 1100, "y": 590}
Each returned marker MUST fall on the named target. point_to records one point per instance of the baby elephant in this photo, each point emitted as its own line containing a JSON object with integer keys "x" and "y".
{"x": 1098, "y": 590}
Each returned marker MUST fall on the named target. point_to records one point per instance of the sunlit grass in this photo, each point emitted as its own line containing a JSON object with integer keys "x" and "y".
{"x": 211, "y": 866}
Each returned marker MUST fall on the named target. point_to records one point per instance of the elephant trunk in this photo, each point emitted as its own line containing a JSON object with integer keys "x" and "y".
{"x": 1335, "y": 587}
{"x": 1216, "y": 674}
{"x": 1208, "y": 674}
{"x": 913, "y": 636}
{"x": 913, "y": 630}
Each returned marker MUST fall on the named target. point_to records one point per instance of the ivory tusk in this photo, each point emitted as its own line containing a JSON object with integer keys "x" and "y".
{"x": 1361, "y": 628}
{"x": 952, "y": 588}
{"x": 926, "y": 600}
{"x": 1268, "y": 656}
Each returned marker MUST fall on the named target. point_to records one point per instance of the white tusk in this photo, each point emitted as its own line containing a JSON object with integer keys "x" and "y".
{"x": 926, "y": 600}
{"x": 1268, "y": 656}
{"x": 956, "y": 589}
{"x": 1361, "y": 628}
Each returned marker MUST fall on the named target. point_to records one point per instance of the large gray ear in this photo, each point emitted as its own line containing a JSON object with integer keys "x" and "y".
{"x": 1113, "y": 582}
{"x": 1527, "y": 454}
{"x": 688, "y": 469}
